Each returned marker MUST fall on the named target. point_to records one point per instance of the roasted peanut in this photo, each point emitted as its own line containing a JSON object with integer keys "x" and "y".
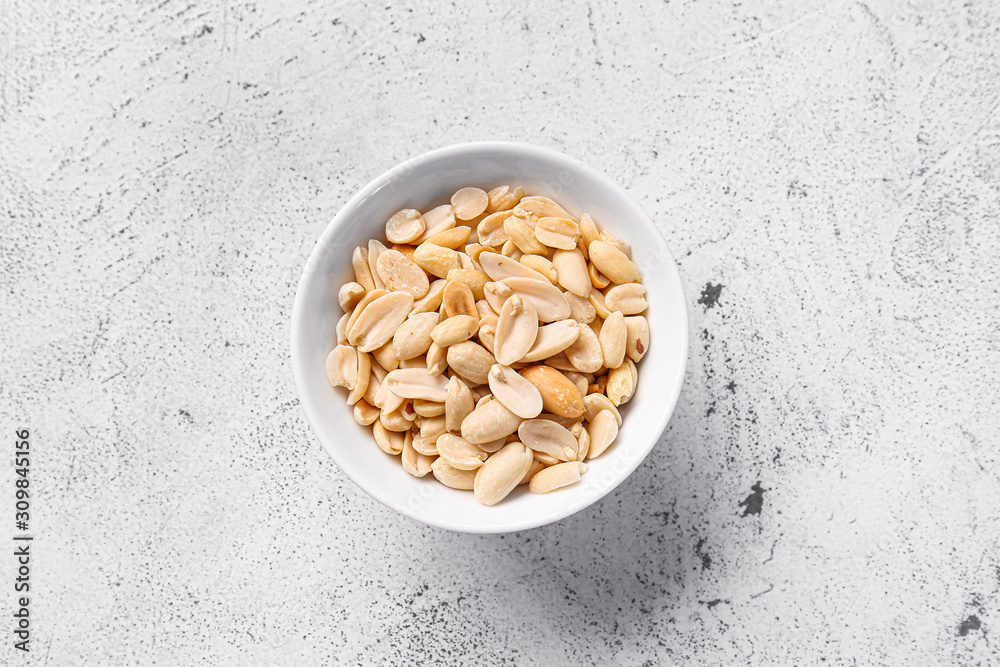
{"x": 459, "y": 452}
{"x": 499, "y": 267}
{"x": 491, "y": 229}
{"x": 458, "y": 404}
{"x": 504, "y": 197}
{"x": 603, "y": 430}
{"x": 548, "y": 437}
{"x": 417, "y": 383}
{"x": 349, "y": 296}
{"x": 614, "y": 337}
{"x": 471, "y": 361}
{"x": 571, "y": 272}
{"x": 539, "y": 207}
{"x": 379, "y": 321}
{"x": 517, "y": 328}
{"x": 404, "y": 226}
{"x": 629, "y": 298}
{"x": 586, "y": 353}
{"x": 548, "y": 299}
{"x": 414, "y": 462}
{"x": 474, "y": 279}
{"x": 455, "y": 329}
{"x": 450, "y": 476}
{"x": 453, "y": 238}
{"x": 557, "y": 232}
{"x": 552, "y": 339}
{"x": 362, "y": 273}
{"x": 637, "y": 329}
{"x": 365, "y": 413}
{"x": 436, "y": 260}
{"x": 516, "y": 392}
{"x": 390, "y": 442}
{"x": 469, "y": 203}
{"x": 459, "y": 300}
{"x": 559, "y": 395}
{"x": 613, "y": 263}
{"x": 541, "y": 265}
{"x": 488, "y": 422}
{"x": 593, "y": 404}
{"x": 523, "y": 236}
{"x": 413, "y": 337}
{"x": 430, "y": 301}
{"x": 621, "y": 384}
{"x": 437, "y": 220}
{"x": 501, "y": 473}
{"x": 375, "y": 248}
{"x": 556, "y": 477}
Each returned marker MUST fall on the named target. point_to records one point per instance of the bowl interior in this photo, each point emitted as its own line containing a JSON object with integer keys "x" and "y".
{"x": 425, "y": 182}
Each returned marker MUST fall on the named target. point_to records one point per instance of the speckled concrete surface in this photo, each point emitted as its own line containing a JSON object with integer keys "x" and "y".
{"x": 827, "y": 173}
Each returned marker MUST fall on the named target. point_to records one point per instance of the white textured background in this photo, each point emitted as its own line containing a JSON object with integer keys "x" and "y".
{"x": 827, "y": 174}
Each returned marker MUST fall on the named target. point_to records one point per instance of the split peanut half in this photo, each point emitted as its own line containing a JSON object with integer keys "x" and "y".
{"x": 557, "y": 476}
{"x": 469, "y": 203}
{"x": 549, "y": 437}
{"x": 501, "y": 473}
{"x": 540, "y": 265}
{"x": 504, "y": 198}
{"x": 405, "y": 226}
{"x": 630, "y": 298}
{"x": 379, "y": 320}
{"x": 437, "y": 220}
{"x": 547, "y": 298}
{"x": 413, "y": 337}
{"x": 516, "y": 330}
{"x": 516, "y": 392}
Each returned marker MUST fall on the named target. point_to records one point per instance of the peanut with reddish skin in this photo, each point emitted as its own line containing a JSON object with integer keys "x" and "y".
{"x": 637, "y": 328}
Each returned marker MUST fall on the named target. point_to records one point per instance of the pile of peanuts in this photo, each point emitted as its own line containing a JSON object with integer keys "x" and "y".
{"x": 492, "y": 341}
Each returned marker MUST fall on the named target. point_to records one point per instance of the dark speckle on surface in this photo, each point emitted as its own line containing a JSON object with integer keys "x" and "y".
{"x": 969, "y": 624}
{"x": 710, "y": 295}
{"x": 796, "y": 190}
{"x": 754, "y": 502}
{"x": 706, "y": 560}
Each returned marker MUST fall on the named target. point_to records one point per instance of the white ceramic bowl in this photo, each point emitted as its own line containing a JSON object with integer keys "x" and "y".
{"x": 427, "y": 181}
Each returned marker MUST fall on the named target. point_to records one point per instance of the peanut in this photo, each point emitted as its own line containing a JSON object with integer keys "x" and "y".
{"x": 469, "y": 203}
{"x": 559, "y": 395}
{"x": 556, "y": 477}
{"x": 404, "y": 226}
{"x": 501, "y": 473}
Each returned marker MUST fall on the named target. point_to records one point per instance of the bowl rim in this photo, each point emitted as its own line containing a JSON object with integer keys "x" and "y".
{"x": 310, "y": 408}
